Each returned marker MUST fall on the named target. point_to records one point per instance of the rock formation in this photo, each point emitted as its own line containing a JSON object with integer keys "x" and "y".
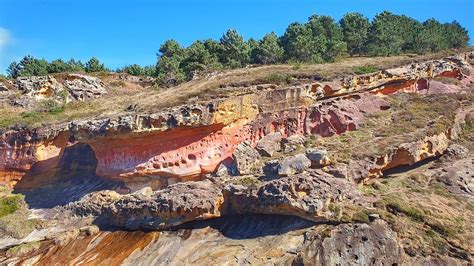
{"x": 274, "y": 174}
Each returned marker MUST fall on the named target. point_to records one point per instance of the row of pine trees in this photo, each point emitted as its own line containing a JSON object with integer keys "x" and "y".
{"x": 321, "y": 39}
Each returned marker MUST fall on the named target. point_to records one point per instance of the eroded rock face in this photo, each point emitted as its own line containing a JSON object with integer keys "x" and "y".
{"x": 458, "y": 176}
{"x": 360, "y": 244}
{"x": 82, "y": 87}
{"x": 172, "y": 151}
{"x": 37, "y": 88}
{"x": 3, "y": 87}
{"x": 93, "y": 204}
{"x": 246, "y": 158}
{"x": 175, "y": 205}
{"x": 144, "y": 148}
{"x": 305, "y": 195}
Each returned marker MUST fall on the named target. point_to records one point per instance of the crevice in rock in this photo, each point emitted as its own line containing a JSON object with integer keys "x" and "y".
{"x": 407, "y": 167}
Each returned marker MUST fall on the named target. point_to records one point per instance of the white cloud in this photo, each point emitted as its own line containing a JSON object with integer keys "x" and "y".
{"x": 5, "y": 37}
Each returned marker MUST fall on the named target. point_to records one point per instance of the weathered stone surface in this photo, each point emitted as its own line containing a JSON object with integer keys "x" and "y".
{"x": 292, "y": 143}
{"x": 293, "y": 165}
{"x": 339, "y": 170}
{"x": 269, "y": 144}
{"x": 360, "y": 244}
{"x": 93, "y": 204}
{"x": 227, "y": 168}
{"x": 305, "y": 195}
{"x": 36, "y": 88}
{"x": 3, "y": 87}
{"x": 81, "y": 87}
{"x": 456, "y": 151}
{"x": 246, "y": 158}
{"x": 318, "y": 157}
{"x": 458, "y": 176}
{"x": 175, "y": 205}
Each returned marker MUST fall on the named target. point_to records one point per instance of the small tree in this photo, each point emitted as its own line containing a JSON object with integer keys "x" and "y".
{"x": 355, "y": 28}
{"x": 13, "y": 70}
{"x": 28, "y": 66}
{"x": 58, "y": 66}
{"x": 268, "y": 50}
{"x": 135, "y": 70}
{"x": 168, "y": 68}
{"x": 385, "y": 35}
{"x": 327, "y": 37}
{"x": 75, "y": 65}
{"x": 149, "y": 71}
{"x": 409, "y": 30}
{"x": 169, "y": 71}
{"x": 198, "y": 59}
{"x": 457, "y": 36}
{"x": 298, "y": 44}
{"x": 235, "y": 51}
{"x": 94, "y": 65}
{"x": 432, "y": 37}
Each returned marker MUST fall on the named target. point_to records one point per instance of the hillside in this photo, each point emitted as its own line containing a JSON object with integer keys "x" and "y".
{"x": 277, "y": 164}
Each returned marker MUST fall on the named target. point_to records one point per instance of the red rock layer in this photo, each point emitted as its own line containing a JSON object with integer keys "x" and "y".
{"x": 176, "y": 154}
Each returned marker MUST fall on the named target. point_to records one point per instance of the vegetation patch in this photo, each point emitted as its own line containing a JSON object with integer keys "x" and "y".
{"x": 278, "y": 78}
{"x": 396, "y": 205}
{"x": 23, "y": 249}
{"x": 10, "y": 204}
{"x": 365, "y": 69}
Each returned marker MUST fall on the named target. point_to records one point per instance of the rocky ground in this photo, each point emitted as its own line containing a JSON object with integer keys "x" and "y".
{"x": 374, "y": 169}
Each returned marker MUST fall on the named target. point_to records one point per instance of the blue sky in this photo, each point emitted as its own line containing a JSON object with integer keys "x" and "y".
{"x": 126, "y": 32}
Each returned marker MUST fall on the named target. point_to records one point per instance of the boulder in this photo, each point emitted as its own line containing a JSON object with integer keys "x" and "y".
{"x": 457, "y": 176}
{"x": 318, "y": 158}
{"x": 226, "y": 168}
{"x": 81, "y": 87}
{"x": 291, "y": 143}
{"x": 246, "y": 158}
{"x": 177, "y": 204}
{"x": 306, "y": 195}
{"x": 293, "y": 165}
{"x": 269, "y": 144}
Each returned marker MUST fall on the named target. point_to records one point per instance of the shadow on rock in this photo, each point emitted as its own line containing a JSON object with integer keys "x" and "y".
{"x": 251, "y": 225}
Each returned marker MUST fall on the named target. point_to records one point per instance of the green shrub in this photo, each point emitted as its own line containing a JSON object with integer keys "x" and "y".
{"x": 359, "y": 70}
{"x": 10, "y": 204}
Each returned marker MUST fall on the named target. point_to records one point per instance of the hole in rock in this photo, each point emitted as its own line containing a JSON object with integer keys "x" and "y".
{"x": 57, "y": 181}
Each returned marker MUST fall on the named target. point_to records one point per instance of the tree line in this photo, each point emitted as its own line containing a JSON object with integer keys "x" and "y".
{"x": 321, "y": 39}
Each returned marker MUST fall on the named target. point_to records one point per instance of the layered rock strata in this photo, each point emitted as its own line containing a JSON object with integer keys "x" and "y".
{"x": 188, "y": 141}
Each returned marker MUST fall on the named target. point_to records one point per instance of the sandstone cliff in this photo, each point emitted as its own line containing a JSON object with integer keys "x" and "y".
{"x": 338, "y": 171}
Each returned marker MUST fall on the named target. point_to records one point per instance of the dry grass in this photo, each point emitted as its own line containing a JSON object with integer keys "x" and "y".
{"x": 427, "y": 218}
